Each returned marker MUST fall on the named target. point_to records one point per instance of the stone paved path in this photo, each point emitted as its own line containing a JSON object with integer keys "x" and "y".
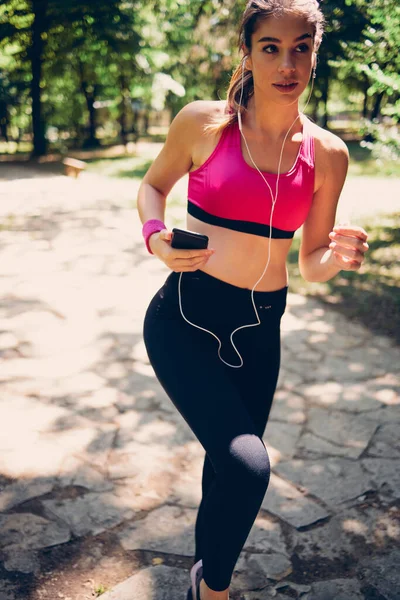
{"x": 99, "y": 474}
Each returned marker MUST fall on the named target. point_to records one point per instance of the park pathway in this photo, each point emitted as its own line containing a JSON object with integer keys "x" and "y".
{"x": 99, "y": 474}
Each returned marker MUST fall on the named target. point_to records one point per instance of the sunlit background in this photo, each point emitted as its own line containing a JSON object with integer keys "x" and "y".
{"x": 99, "y": 475}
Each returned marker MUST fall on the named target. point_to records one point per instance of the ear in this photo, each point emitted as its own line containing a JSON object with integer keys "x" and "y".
{"x": 247, "y": 56}
{"x": 314, "y": 60}
{"x": 248, "y": 64}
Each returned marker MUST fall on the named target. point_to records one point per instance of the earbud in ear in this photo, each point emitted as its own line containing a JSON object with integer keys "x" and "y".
{"x": 314, "y": 65}
{"x": 240, "y": 120}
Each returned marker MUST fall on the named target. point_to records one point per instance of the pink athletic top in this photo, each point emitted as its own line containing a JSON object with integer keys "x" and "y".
{"x": 227, "y": 192}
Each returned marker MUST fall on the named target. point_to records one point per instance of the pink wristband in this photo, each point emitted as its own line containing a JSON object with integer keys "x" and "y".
{"x": 151, "y": 226}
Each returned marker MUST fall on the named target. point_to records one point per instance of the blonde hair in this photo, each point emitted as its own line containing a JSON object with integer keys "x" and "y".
{"x": 255, "y": 11}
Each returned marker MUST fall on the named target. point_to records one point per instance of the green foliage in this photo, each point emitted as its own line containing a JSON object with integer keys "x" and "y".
{"x": 374, "y": 58}
{"x": 87, "y": 54}
{"x": 386, "y": 141}
{"x": 108, "y": 53}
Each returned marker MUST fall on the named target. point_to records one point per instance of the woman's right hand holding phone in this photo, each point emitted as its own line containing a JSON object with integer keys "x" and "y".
{"x": 176, "y": 259}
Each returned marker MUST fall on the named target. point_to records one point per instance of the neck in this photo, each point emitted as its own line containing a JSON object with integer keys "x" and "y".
{"x": 272, "y": 121}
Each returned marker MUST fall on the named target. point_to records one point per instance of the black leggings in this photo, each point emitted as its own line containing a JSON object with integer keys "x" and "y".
{"x": 226, "y": 408}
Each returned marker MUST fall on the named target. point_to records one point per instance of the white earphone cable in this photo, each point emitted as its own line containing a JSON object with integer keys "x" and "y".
{"x": 274, "y": 199}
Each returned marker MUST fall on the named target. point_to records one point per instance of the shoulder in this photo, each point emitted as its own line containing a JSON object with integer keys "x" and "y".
{"x": 327, "y": 144}
{"x": 331, "y": 155}
{"x": 204, "y": 108}
{"x": 200, "y": 112}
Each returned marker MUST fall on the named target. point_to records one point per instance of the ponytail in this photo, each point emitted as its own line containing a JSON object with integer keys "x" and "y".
{"x": 233, "y": 106}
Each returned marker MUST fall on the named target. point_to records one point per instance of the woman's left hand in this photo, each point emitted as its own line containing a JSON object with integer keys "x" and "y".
{"x": 348, "y": 244}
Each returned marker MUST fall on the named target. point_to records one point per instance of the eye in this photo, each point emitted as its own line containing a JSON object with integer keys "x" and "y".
{"x": 303, "y": 47}
{"x": 268, "y": 48}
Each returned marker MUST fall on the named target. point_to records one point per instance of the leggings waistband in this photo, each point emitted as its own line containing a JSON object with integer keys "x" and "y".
{"x": 193, "y": 279}
{"x": 207, "y": 294}
{"x": 206, "y": 299}
{"x": 228, "y": 288}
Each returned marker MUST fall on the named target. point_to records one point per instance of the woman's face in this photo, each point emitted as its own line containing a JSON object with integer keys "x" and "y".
{"x": 286, "y": 58}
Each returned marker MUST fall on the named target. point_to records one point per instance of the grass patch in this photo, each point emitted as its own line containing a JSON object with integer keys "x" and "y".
{"x": 100, "y": 589}
{"x": 370, "y": 296}
{"x": 127, "y": 167}
{"x": 363, "y": 163}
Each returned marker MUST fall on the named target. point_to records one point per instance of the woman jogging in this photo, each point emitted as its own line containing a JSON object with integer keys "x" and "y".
{"x": 258, "y": 170}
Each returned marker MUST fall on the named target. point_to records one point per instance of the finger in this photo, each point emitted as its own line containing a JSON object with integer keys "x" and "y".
{"x": 181, "y": 262}
{"x": 352, "y": 230}
{"x": 347, "y": 265}
{"x": 165, "y": 235}
{"x": 349, "y": 242}
{"x": 188, "y": 254}
{"x": 351, "y": 253}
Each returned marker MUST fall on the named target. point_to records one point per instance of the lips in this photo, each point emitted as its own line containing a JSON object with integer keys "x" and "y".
{"x": 285, "y": 86}
{"x": 286, "y": 83}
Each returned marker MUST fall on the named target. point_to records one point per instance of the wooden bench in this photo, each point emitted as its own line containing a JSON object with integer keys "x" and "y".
{"x": 73, "y": 167}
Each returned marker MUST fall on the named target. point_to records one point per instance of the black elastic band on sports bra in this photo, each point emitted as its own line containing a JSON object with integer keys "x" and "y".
{"x": 237, "y": 225}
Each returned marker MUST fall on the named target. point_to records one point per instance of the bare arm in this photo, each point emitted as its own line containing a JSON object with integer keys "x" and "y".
{"x": 174, "y": 161}
{"x": 325, "y": 250}
{"x": 171, "y": 164}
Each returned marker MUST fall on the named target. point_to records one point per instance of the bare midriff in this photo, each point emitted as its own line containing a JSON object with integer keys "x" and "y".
{"x": 240, "y": 258}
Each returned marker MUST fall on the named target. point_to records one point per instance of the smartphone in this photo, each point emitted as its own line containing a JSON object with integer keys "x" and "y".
{"x": 188, "y": 240}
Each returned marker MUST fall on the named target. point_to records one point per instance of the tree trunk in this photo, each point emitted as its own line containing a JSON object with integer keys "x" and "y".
{"x": 365, "y": 103}
{"x": 123, "y": 112}
{"x": 146, "y": 121}
{"x": 92, "y": 141}
{"x": 325, "y": 98}
{"x": 377, "y": 106}
{"x": 39, "y": 141}
{"x": 4, "y": 120}
{"x": 89, "y": 91}
{"x": 314, "y": 112}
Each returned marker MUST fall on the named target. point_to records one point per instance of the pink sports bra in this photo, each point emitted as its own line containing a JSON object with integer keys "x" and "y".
{"x": 227, "y": 192}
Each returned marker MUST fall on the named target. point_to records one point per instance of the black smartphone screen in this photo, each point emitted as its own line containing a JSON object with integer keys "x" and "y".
{"x": 188, "y": 240}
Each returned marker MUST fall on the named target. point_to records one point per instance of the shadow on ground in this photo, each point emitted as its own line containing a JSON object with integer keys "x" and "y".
{"x": 100, "y": 476}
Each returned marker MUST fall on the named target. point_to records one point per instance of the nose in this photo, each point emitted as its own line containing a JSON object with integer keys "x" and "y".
{"x": 287, "y": 65}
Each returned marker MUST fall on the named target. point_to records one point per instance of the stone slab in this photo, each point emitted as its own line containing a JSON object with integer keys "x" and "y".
{"x": 312, "y": 446}
{"x": 152, "y": 466}
{"x": 383, "y": 573}
{"x": 22, "y": 561}
{"x": 344, "y": 431}
{"x": 335, "y": 589}
{"x": 288, "y": 407}
{"x": 167, "y": 529}
{"x": 23, "y": 490}
{"x": 320, "y": 478}
{"x": 254, "y": 571}
{"x": 25, "y": 531}
{"x": 354, "y": 397}
{"x": 285, "y": 501}
{"x": 91, "y": 513}
{"x": 265, "y": 536}
{"x": 353, "y": 532}
{"x": 385, "y": 474}
{"x": 75, "y": 472}
{"x": 152, "y": 583}
{"x": 386, "y": 441}
{"x": 281, "y": 439}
